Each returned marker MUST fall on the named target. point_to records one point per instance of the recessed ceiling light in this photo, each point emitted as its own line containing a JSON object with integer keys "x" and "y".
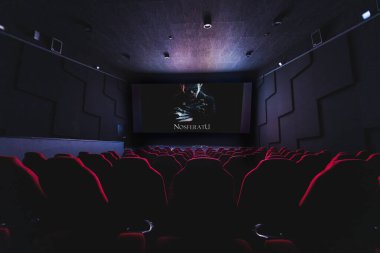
{"x": 2, "y": 27}
{"x": 36, "y": 35}
{"x": 207, "y": 21}
{"x": 280, "y": 64}
{"x": 279, "y": 19}
{"x": 170, "y": 37}
{"x": 97, "y": 67}
{"x": 366, "y": 15}
{"x": 166, "y": 55}
{"x": 127, "y": 56}
{"x": 249, "y": 53}
{"x": 207, "y": 26}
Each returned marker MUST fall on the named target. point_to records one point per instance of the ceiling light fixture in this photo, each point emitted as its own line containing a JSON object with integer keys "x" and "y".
{"x": 249, "y": 53}
{"x": 2, "y": 27}
{"x": 280, "y": 64}
{"x": 166, "y": 55}
{"x": 97, "y": 67}
{"x": 366, "y": 15}
{"x": 279, "y": 19}
{"x": 207, "y": 21}
{"x": 36, "y": 35}
{"x": 170, "y": 37}
{"x": 127, "y": 56}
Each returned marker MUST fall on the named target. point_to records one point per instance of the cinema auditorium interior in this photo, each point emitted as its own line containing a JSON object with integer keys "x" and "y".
{"x": 190, "y": 126}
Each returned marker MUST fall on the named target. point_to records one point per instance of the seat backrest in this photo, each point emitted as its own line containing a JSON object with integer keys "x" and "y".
{"x": 374, "y": 162}
{"x": 34, "y": 160}
{"x": 344, "y": 193}
{"x": 110, "y": 157}
{"x": 74, "y": 192}
{"x": 100, "y": 166}
{"x": 269, "y": 192}
{"x": 137, "y": 189}
{"x": 202, "y": 195}
{"x": 21, "y": 195}
{"x": 167, "y": 166}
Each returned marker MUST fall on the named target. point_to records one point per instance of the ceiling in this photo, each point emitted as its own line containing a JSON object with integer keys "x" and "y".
{"x": 134, "y": 35}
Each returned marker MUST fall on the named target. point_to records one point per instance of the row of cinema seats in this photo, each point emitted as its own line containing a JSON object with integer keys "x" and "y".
{"x": 161, "y": 199}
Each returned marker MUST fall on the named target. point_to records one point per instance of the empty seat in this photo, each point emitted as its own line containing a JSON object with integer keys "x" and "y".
{"x": 269, "y": 194}
{"x": 137, "y": 191}
{"x": 202, "y": 197}
{"x": 237, "y": 166}
{"x": 64, "y": 155}
{"x": 22, "y": 203}
{"x": 363, "y": 154}
{"x": 34, "y": 161}
{"x": 374, "y": 161}
{"x": 75, "y": 195}
{"x": 196, "y": 243}
{"x": 21, "y": 195}
{"x": 5, "y": 240}
{"x": 167, "y": 166}
{"x": 340, "y": 208}
{"x": 115, "y": 154}
{"x": 101, "y": 167}
{"x": 110, "y": 157}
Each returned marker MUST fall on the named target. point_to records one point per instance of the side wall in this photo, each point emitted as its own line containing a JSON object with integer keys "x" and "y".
{"x": 42, "y": 95}
{"x": 329, "y": 98}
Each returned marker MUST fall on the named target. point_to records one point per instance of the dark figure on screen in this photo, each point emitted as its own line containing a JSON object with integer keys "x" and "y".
{"x": 193, "y": 105}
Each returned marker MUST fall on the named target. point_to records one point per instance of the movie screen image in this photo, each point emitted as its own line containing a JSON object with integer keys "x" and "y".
{"x": 191, "y": 107}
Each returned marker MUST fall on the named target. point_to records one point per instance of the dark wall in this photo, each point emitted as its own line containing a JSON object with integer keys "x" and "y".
{"x": 329, "y": 98}
{"x": 47, "y": 96}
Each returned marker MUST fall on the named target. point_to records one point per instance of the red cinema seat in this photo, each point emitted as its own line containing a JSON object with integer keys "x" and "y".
{"x": 34, "y": 160}
{"x": 167, "y": 166}
{"x": 137, "y": 192}
{"x": 75, "y": 195}
{"x": 340, "y": 208}
{"x": 202, "y": 196}
{"x": 270, "y": 193}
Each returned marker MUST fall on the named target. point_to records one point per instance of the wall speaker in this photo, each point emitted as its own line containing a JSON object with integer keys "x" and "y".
{"x": 56, "y": 45}
{"x": 316, "y": 37}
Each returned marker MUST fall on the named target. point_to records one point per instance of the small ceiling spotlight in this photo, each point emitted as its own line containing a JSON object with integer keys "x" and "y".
{"x": 207, "y": 21}
{"x": 166, "y": 55}
{"x": 280, "y": 64}
{"x": 366, "y": 15}
{"x": 170, "y": 37}
{"x": 2, "y": 27}
{"x": 36, "y": 35}
{"x": 126, "y": 56}
{"x": 97, "y": 67}
{"x": 279, "y": 19}
{"x": 249, "y": 53}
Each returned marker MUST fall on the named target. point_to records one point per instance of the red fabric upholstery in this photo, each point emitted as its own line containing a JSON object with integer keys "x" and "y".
{"x": 101, "y": 167}
{"x": 339, "y": 205}
{"x": 202, "y": 195}
{"x": 21, "y": 195}
{"x": 269, "y": 193}
{"x": 137, "y": 191}
{"x": 167, "y": 166}
{"x": 5, "y": 240}
{"x": 76, "y": 196}
{"x": 194, "y": 243}
{"x": 279, "y": 246}
{"x": 130, "y": 242}
{"x": 34, "y": 160}
{"x": 374, "y": 162}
